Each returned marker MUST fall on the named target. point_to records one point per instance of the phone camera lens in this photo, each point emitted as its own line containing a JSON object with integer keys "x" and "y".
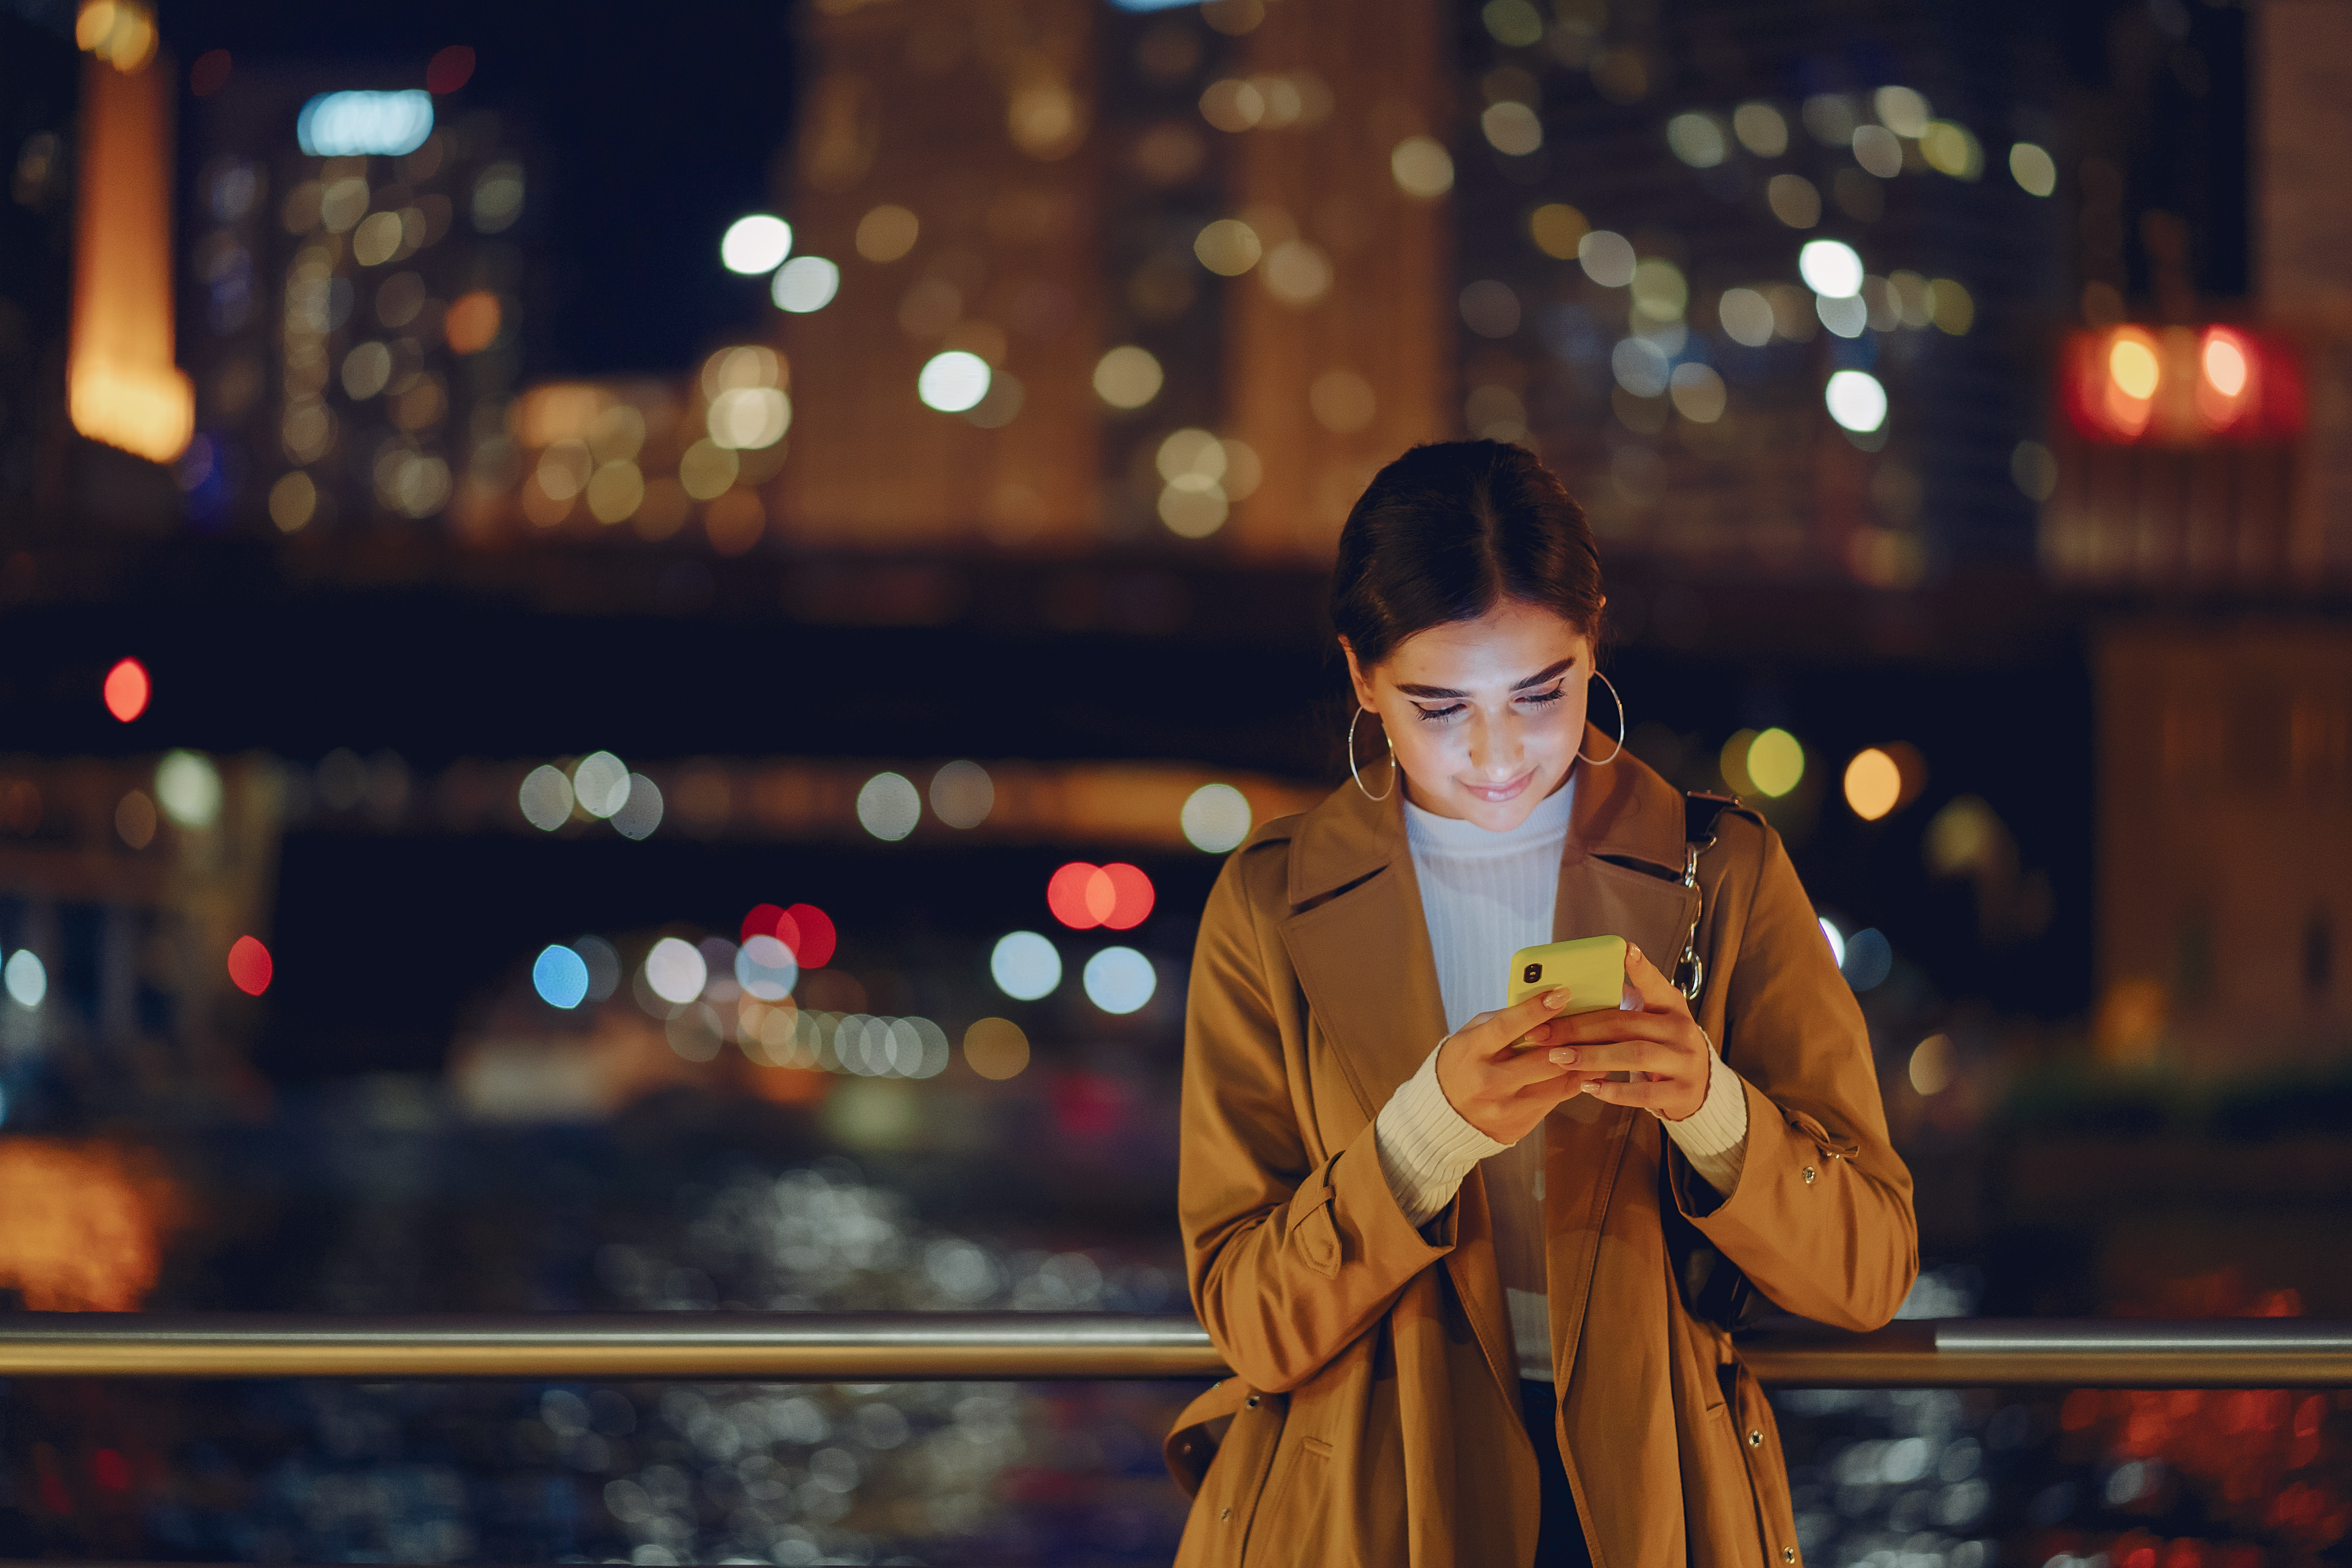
{"x": 1533, "y": 973}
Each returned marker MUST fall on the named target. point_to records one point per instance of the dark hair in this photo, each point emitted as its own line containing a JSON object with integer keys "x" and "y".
{"x": 1450, "y": 528}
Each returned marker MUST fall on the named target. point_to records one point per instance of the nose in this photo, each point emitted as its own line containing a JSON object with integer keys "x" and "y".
{"x": 1496, "y": 753}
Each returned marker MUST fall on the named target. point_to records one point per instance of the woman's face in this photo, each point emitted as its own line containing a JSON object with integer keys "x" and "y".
{"x": 1487, "y": 714}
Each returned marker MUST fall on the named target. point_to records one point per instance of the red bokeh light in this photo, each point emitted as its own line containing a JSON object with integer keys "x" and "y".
{"x": 450, "y": 70}
{"x": 249, "y": 966}
{"x": 1118, "y": 896}
{"x": 2181, "y": 386}
{"x": 808, "y": 932}
{"x": 109, "y": 1469}
{"x": 128, "y": 690}
{"x": 209, "y": 74}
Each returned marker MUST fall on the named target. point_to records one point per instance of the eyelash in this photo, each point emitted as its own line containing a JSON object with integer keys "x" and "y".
{"x": 1439, "y": 715}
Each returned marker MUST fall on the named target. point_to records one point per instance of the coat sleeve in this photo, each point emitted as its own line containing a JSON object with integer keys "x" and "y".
{"x": 1820, "y": 1219}
{"x": 1290, "y": 1258}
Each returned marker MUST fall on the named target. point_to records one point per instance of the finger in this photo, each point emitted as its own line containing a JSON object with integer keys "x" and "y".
{"x": 1655, "y": 992}
{"x": 1656, "y": 1094}
{"x": 1502, "y": 1030}
{"x": 1523, "y": 1068}
{"x": 1627, "y": 1056}
{"x": 1595, "y": 1028}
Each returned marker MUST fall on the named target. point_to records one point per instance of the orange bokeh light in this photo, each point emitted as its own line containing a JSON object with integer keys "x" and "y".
{"x": 471, "y": 322}
{"x": 128, "y": 690}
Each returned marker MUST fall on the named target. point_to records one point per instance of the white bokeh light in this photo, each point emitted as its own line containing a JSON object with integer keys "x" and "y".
{"x": 675, "y": 971}
{"x": 600, "y": 783}
{"x": 27, "y": 977}
{"x": 1829, "y": 267}
{"x": 805, "y": 283}
{"x": 545, "y": 798}
{"x": 1856, "y": 400}
{"x": 756, "y": 244}
{"x": 954, "y": 382}
{"x": 1119, "y": 980}
{"x": 1025, "y": 966}
{"x": 1216, "y": 818}
{"x": 765, "y": 968}
{"x": 889, "y": 806}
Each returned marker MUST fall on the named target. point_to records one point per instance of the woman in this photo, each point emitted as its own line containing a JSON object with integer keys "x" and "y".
{"x": 1439, "y": 1240}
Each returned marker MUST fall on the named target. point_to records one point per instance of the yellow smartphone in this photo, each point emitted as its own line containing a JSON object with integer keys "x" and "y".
{"x": 1591, "y": 967}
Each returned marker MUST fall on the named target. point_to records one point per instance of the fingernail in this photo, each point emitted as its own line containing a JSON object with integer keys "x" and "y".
{"x": 1556, "y": 999}
{"x": 1635, "y": 952}
{"x": 1563, "y": 1057}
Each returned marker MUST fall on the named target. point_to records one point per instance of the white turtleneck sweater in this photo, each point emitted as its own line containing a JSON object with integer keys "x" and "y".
{"x": 1487, "y": 895}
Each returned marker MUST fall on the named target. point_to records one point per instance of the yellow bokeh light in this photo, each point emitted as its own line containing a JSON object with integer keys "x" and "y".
{"x": 995, "y": 1048}
{"x": 1127, "y": 376}
{"x": 1421, "y": 167}
{"x": 1931, "y": 1065}
{"x": 1557, "y": 229}
{"x": 1873, "y": 785}
{"x": 292, "y": 501}
{"x": 887, "y": 233}
{"x": 1776, "y": 763}
{"x": 2132, "y": 367}
{"x": 1228, "y": 248}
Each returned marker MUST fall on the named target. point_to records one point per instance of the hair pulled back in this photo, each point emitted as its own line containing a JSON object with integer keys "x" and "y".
{"x": 1449, "y": 529}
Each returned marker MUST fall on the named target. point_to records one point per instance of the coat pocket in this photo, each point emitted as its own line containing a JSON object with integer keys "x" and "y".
{"x": 1293, "y": 1527}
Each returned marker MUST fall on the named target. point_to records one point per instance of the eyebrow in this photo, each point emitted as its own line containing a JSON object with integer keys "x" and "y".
{"x": 1547, "y": 672}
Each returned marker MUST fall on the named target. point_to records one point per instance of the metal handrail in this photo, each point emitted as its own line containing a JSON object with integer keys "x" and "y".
{"x": 879, "y": 1347}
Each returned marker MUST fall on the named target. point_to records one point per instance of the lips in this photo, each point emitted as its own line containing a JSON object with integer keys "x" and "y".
{"x": 1498, "y": 795}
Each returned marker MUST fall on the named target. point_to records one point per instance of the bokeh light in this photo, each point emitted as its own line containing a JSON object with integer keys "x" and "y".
{"x": 676, "y": 971}
{"x": 1697, "y": 139}
{"x": 2033, "y": 169}
{"x": 962, "y": 794}
{"x": 1856, "y": 400}
{"x": 26, "y": 976}
{"x": 365, "y": 124}
{"x": 600, "y": 782}
{"x": 1216, "y": 818}
{"x": 249, "y": 965}
{"x": 1119, "y": 980}
{"x": 806, "y": 932}
{"x": 952, "y": 382}
{"x": 1511, "y": 128}
{"x": 135, "y": 818}
{"x": 1776, "y": 763}
{"x": 749, "y": 418}
{"x": 127, "y": 689}
{"x": 1829, "y": 267}
{"x": 1874, "y": 783}
{"x": 1607, "y": 257}
{"x": 995, "y": 1048}
{"x": 1761, "y": 129}
{"x": 641, "y": 812}
{"x": 604, "y": 962}
{"x": 1869, "y": 959}
{"x": 1931, "y": 1069}
{"x": 1025, "y": 966}
{"x": 1082, "y": 897}
{"x": 546, "y": 797}
{"x": 188, "y": 788}
{"x": 1421, "y": 167}
{"x": 886, "y": 233}
{"x": 1836, "y": 939}
{"x": 765, "y": 967}
{"x": 805, "y": 283}
{"x": 560, "y": 975}
{"x": 1557, "y": 229}
{"x": 756, "y": 244}
{"x": 1127, "y": 376}
{"x": 889, "y": 806}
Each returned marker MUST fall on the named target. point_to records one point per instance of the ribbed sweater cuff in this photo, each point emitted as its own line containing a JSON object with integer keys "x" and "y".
{"x": 1714, "y": 1138}
{"x": 1425, "y": 1147}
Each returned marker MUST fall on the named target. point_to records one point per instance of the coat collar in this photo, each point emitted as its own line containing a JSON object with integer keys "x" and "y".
{"x": 1622, "y": 811}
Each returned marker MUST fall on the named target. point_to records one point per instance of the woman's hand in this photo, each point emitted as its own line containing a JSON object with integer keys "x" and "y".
{"x": 1495, "y": 1072}
{"x": 1660, "y": 1045}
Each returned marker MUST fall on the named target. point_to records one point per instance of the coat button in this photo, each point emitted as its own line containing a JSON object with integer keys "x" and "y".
{"x": 1787, "y": 1554}
{"x": 1251, "y": 1402}
{"x": 1223, "y": 1514}
{"x": 1755, "y": 1436}
{"x": 1808, "y": 1174}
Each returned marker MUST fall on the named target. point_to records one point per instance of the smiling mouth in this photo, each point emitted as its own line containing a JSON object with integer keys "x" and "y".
{"x": 1497, "y": 794}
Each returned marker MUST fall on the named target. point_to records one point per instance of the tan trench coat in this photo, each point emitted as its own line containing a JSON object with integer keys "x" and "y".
{"x": 1374, "y": 1415}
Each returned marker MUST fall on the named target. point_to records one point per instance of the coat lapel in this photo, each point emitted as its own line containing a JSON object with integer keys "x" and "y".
{"x": 1359, "y": 946}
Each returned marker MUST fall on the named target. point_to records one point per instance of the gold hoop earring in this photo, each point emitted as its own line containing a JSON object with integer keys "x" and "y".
{"x": 1604, "y": 762}
{"x": 1352, "y": 773}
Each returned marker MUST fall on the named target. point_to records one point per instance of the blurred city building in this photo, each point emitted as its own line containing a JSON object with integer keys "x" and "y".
{"x": 352, "y": 286}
